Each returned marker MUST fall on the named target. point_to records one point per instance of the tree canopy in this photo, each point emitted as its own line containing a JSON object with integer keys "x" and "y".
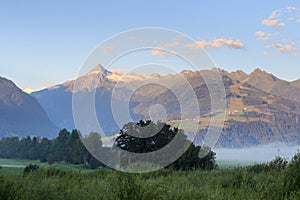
{"x": 134, "y": 138}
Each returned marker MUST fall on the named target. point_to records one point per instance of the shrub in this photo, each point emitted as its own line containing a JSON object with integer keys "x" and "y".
{"x": 292, "y": 175}
{"x": 30, "y": 168}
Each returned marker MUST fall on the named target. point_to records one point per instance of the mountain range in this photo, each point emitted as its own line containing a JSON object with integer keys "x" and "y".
{"x": 261, "y": 108}
{"x": 21, "y": 114}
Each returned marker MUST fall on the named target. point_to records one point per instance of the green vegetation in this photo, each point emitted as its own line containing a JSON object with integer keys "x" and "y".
{"x": 68, "y": 147}
{"x": 62, "y": 168}
{"x": 275, "y": 180}
{"x": 139, "y": 138}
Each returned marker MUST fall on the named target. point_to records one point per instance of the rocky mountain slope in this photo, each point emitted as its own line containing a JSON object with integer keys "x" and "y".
{"x": 261, "y": 108}
{"x": 21, "y": 114}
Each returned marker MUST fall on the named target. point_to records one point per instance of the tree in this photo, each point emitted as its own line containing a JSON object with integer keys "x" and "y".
{"x": 133, "y": 138}
{"x": 9, "y": 147}
{"x": 191, "y": 160}
{"x": 292, "y": 175}
{"x": 24, "y": 146}
{"x": 94, "y": 144}
{"x": 77, "y": 150}
{"x": 61, "y": 150}
{"x": 45, "y": 149}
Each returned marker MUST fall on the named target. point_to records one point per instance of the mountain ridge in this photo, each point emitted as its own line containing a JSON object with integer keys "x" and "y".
{"x": 21, "y": 114}
{"x": 255, "y": 101}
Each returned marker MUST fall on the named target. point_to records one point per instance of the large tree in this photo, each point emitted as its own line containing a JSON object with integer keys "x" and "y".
{"x": 133, "y": 138}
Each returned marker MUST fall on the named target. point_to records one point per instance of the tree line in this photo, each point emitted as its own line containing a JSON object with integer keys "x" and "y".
{"x": 68, "y": 147}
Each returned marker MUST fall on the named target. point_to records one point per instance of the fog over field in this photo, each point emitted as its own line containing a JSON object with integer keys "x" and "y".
{"x": 258, "y": 154}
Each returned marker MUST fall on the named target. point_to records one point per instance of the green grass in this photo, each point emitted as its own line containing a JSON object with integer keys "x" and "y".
{"x": 12, "y": 170}
{"x": 17, "y": 162}
{"x": 16, "y": 166}
{"x": 50, "y": 183}
{"x": 224, "y": 164}
{"x": 64, "y": 181}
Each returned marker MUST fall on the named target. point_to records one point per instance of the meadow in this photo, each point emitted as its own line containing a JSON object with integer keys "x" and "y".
{"x": 277, "y": 179}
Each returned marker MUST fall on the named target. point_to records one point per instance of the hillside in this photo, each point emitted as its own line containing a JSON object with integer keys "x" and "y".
{"x": 21, "y": 114}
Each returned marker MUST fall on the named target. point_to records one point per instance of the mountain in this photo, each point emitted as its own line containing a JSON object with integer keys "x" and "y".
{"x": 261, "y": 108}
{"x": 296, "y": 83}
{"x": 57, "y": 100}
{"x": 21, "y": 114}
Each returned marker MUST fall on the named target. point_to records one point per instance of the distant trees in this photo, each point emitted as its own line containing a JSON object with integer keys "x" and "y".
{"x": 134, "y": 137}
{"x": 67, "y": 147}
{"x": 141, "y": 137}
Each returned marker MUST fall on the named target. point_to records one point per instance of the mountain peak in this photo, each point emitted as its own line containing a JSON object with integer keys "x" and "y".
{"x": 258, "y": 70}
{"x": 239, "y": 71}
{"x": 99, "y": 69}
{"x": 186, "y": 72}
{"x": 155, "y": 75}
{"x": 261, "y": 73}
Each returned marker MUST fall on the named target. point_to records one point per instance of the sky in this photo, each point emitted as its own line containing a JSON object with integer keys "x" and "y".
{"x": 44, "y": 43}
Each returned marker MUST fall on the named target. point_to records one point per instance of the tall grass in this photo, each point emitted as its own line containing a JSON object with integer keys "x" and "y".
{"x": 274, "y": 180}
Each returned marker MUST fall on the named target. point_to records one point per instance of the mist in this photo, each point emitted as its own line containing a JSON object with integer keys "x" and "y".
{"x": 257, "y": 154}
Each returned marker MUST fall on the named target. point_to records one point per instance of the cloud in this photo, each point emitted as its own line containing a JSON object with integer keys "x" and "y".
{"x": 275, "y": 20}
{"x": 278, "y": 19}
{"x": 163, "y": 49}
{"x": 161, "y": 52}
{"x": 273, "y": 23}
{"x": 217, "y": 43}
{"x": 266, "y": 53}
{"x": 284, "y": 48}
{"x": 106, "y": 49}
{"x": 291, "y": 9}
{"x": 263, "y": 36}
{"x": 168, "y": 45}
{"x": 275, "y": 14}
{"x": 157, "y": 52}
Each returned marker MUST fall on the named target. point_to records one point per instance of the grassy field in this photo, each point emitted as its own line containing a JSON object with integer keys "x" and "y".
{"x": 63, "y": 181}
{"x": 16, "y": 166}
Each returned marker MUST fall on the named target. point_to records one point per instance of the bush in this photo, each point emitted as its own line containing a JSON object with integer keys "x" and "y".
{"x": 292, "y": 175}
{"x": 276, "y": 165}
{"x": 30, "y": 168}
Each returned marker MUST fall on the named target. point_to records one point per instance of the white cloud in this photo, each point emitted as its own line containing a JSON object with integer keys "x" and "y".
{"x": 263, "y": 35}
{"x": 288, "y": 16}
{"x": 273, "y": 23}
{"x": 284, "y": 48}
{"x": 275, "y": 14}
{"x": 157, "y": 52}
{"x": 291, "y": 9}
{"x": 275, "y": 20}
{"x": 160, "y": 52}
{"x": 217, "y": 43}
{"x": 160, "y": 49}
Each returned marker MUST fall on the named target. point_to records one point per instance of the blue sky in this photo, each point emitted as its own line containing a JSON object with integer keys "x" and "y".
{"x": 43, "y": 44}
